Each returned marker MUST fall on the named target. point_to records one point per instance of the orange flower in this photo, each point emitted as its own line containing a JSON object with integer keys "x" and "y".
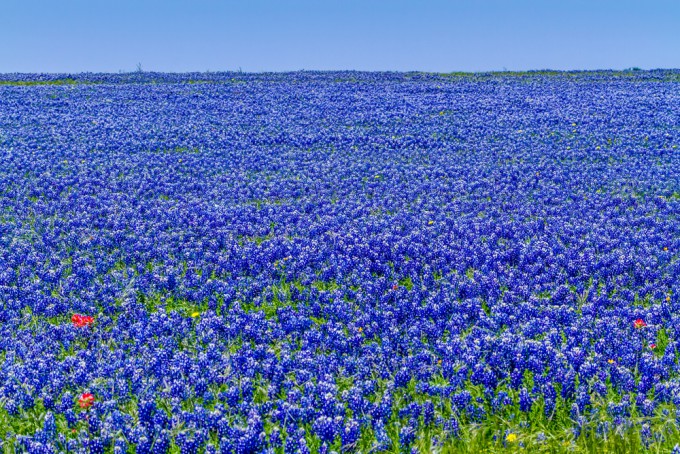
{"x": 86, "y": 400}
{"x": 639, "y": 323}
{"x": 80, "y": 321}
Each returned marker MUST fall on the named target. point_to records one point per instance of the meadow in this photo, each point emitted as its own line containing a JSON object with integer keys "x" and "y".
{"x": 319, "y": 262}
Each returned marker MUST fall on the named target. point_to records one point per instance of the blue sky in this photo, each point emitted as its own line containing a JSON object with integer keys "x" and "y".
{"x": 285, "y": 35}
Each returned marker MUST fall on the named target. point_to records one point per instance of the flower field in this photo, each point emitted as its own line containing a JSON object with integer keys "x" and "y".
{"x": 340, "y": 261}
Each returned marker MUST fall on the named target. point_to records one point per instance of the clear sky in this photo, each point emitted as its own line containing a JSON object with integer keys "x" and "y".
{"x": 285, "y": 35}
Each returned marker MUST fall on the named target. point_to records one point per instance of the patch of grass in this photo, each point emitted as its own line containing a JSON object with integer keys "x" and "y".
{"x": 154, "y": 302}
{"x": 457, "y": 74}
{"x": 200, "y": 81}
{"x": 177, "y": 149}
{"x": 24, "y": 83}
{"x": 406, "y": 282}
{"x": 470, "y": 273}
{"x": 274, "y": 298}
{"x": 662, "y": 342}
{"x": 257, "y": 239}
{"x": 328, "y": 286}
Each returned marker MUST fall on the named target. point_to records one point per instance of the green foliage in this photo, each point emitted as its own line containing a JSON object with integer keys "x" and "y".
{"x": 176, "y": 150}
{"x": 67, "y": 81}
{"x": 325, "y": 286}
{"x": 406, "y": 282}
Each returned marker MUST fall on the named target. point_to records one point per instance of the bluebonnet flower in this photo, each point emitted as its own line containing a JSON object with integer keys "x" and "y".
{"x": 328, "y": 428}
{"x": 645, "y": 434}
{"x": 407, "y": 436}
{"x": 525, "y": 400}
{"x": 161, "y": 442}
{"x": 318, "y": 242}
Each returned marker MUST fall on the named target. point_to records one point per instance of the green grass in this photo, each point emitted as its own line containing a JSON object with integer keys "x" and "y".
{"x": 325, "y": 286}
{"x": 406, "y": 282}
{"x": 67, "y": 81}
{"x": 156, "y": 302}
{"x": 176, "y": 150}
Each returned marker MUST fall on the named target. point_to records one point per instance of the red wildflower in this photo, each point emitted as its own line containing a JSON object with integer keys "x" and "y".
{"x": 395, "y": 286}
{"x": 86, "y": 400}
{"x": 652, "y": 346}
{"x": 80, "y": 321}
{"x": 639, "y": 323}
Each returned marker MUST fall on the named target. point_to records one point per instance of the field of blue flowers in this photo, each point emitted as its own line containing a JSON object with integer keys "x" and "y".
{"x": 340, "y": 261}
